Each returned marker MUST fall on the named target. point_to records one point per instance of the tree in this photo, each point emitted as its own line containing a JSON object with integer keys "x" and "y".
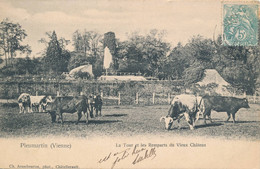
{"x": 88, "y": 49}
{"x": 56, "y": 59}
{"x": 22, "y": 66}
{"x": 12, "y": 35}
{"x": 145, "y": 50}
{"x": 88, "y": 42}
{"x": 62, "y": 41}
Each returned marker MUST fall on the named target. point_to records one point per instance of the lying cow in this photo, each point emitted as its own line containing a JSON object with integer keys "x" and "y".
{"x": 182, "y": 105}
{"x": 24, "y": 101}
{"x": 222, "y": 104}
{"x": 68, "y": 104}
{"x": 95, "y": 104}
{"x": 39, "y": 102}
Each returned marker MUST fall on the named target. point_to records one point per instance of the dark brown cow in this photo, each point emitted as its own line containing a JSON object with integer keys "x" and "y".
{"x": 222, "y": 104}
{"x": 68, "y": 104}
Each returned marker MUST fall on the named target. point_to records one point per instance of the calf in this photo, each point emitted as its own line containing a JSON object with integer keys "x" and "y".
{"x": 223, "y": 104}
{"x": 68, "y": 104}
{"x": 182, "y": 105}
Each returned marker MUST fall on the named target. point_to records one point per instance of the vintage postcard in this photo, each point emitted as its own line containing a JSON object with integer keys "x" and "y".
{"x": 120, "y": 84}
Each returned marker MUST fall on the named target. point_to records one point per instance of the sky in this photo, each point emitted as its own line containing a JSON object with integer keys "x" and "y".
{"x": 181, "y": 19}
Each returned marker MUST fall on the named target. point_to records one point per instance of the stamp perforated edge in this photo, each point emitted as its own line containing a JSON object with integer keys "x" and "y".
{"x": 253, "y": 2}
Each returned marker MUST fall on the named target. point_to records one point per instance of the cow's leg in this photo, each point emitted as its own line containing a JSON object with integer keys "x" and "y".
{"x": 40, "y": 108}
{"x": 209, "y": 116}
{"x": 53, "y": 117}
{"x": 30, "y": 108}
{"x": 204, "y": 118}
{"x": 96, "y": 111}
{"x": 86, "y": 116}
{"x": 60, "y": 115}
{"x": 228, "y": 113}
{"x": 233, "y": 117}
{"x": 178, "y": 120}
{"x": 197, "y": 116}
{"x": 100, "y": 108}
{"x": 20, "y": 107}
{"x": 79, "y": 115}
{"x": 189, "y": 121}
{"x": 91, "y": 111}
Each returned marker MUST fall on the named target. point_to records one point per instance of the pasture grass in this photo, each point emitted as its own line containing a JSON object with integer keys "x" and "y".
{"x": 128, "y": 121}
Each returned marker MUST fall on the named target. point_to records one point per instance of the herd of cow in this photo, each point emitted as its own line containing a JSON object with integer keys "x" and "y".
{"x": 61, "y": 104}
{"x": 184, "y": 105}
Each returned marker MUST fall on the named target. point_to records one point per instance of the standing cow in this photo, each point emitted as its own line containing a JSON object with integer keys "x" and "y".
{"x": 24, "y": 101}
{"x": 68, "y": 104}
{"x": 39, "y": 102}
{"x": 95, "y": 102}
{"x": 182, "y": 105}
{"x": 223, "y": 104}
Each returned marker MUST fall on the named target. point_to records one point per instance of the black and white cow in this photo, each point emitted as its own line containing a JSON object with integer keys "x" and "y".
{"x": 182, "y": 105}
{"x": 39, "y": 102}
{"x": 24, "y": 101}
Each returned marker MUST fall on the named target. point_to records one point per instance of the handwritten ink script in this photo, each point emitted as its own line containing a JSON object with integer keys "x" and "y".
{"x": 136, "y": 154}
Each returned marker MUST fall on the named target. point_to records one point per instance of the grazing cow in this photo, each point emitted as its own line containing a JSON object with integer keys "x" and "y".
{"x": 182, "y": 105}
{"x": 39, "y": 102}
{"x": 68, "y": 104}
{"x": 95, "y": 103}
{"x": 24, "y": 101}
{"x": 223, "y": 104}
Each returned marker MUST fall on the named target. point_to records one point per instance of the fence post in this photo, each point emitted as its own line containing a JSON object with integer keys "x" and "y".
{"x": 254, "y": 97}
{"x": 59, "y": 88}
{"x": 18, "y": 88}
{"x": 101, "y": 94}
{"x": 169, "y": 98}
{"x": 136, "y": 98}
{"x": 153, "y": 97}
{"x": 119, "y": 97}
{"x": 36, "y": 93}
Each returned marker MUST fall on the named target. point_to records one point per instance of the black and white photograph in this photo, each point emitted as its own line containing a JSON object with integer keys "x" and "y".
{"x": 114, "y": 84}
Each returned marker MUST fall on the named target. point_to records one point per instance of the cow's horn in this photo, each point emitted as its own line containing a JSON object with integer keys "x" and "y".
{"x": 162, "y": 118}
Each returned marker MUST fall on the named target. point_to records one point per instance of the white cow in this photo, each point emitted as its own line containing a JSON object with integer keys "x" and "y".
{"x": 40, "y": 102}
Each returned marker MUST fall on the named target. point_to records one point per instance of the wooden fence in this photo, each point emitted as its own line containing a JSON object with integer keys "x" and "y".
{"x": 113, "y": 93}
{"x": 160, "y": 99}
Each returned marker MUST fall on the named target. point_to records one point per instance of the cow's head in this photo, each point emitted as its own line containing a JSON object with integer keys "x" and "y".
{"x": 244, "y": 103}
{"x": 24, "y": 99}
{"x": 45, "y": 102}
{"x": 168, "y": 121}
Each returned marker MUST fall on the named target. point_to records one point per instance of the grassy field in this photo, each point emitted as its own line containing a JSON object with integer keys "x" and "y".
{"x": 127, "y": 121}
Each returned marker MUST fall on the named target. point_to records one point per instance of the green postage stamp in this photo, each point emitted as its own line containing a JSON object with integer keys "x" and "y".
{"x": 240, "y": 24}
